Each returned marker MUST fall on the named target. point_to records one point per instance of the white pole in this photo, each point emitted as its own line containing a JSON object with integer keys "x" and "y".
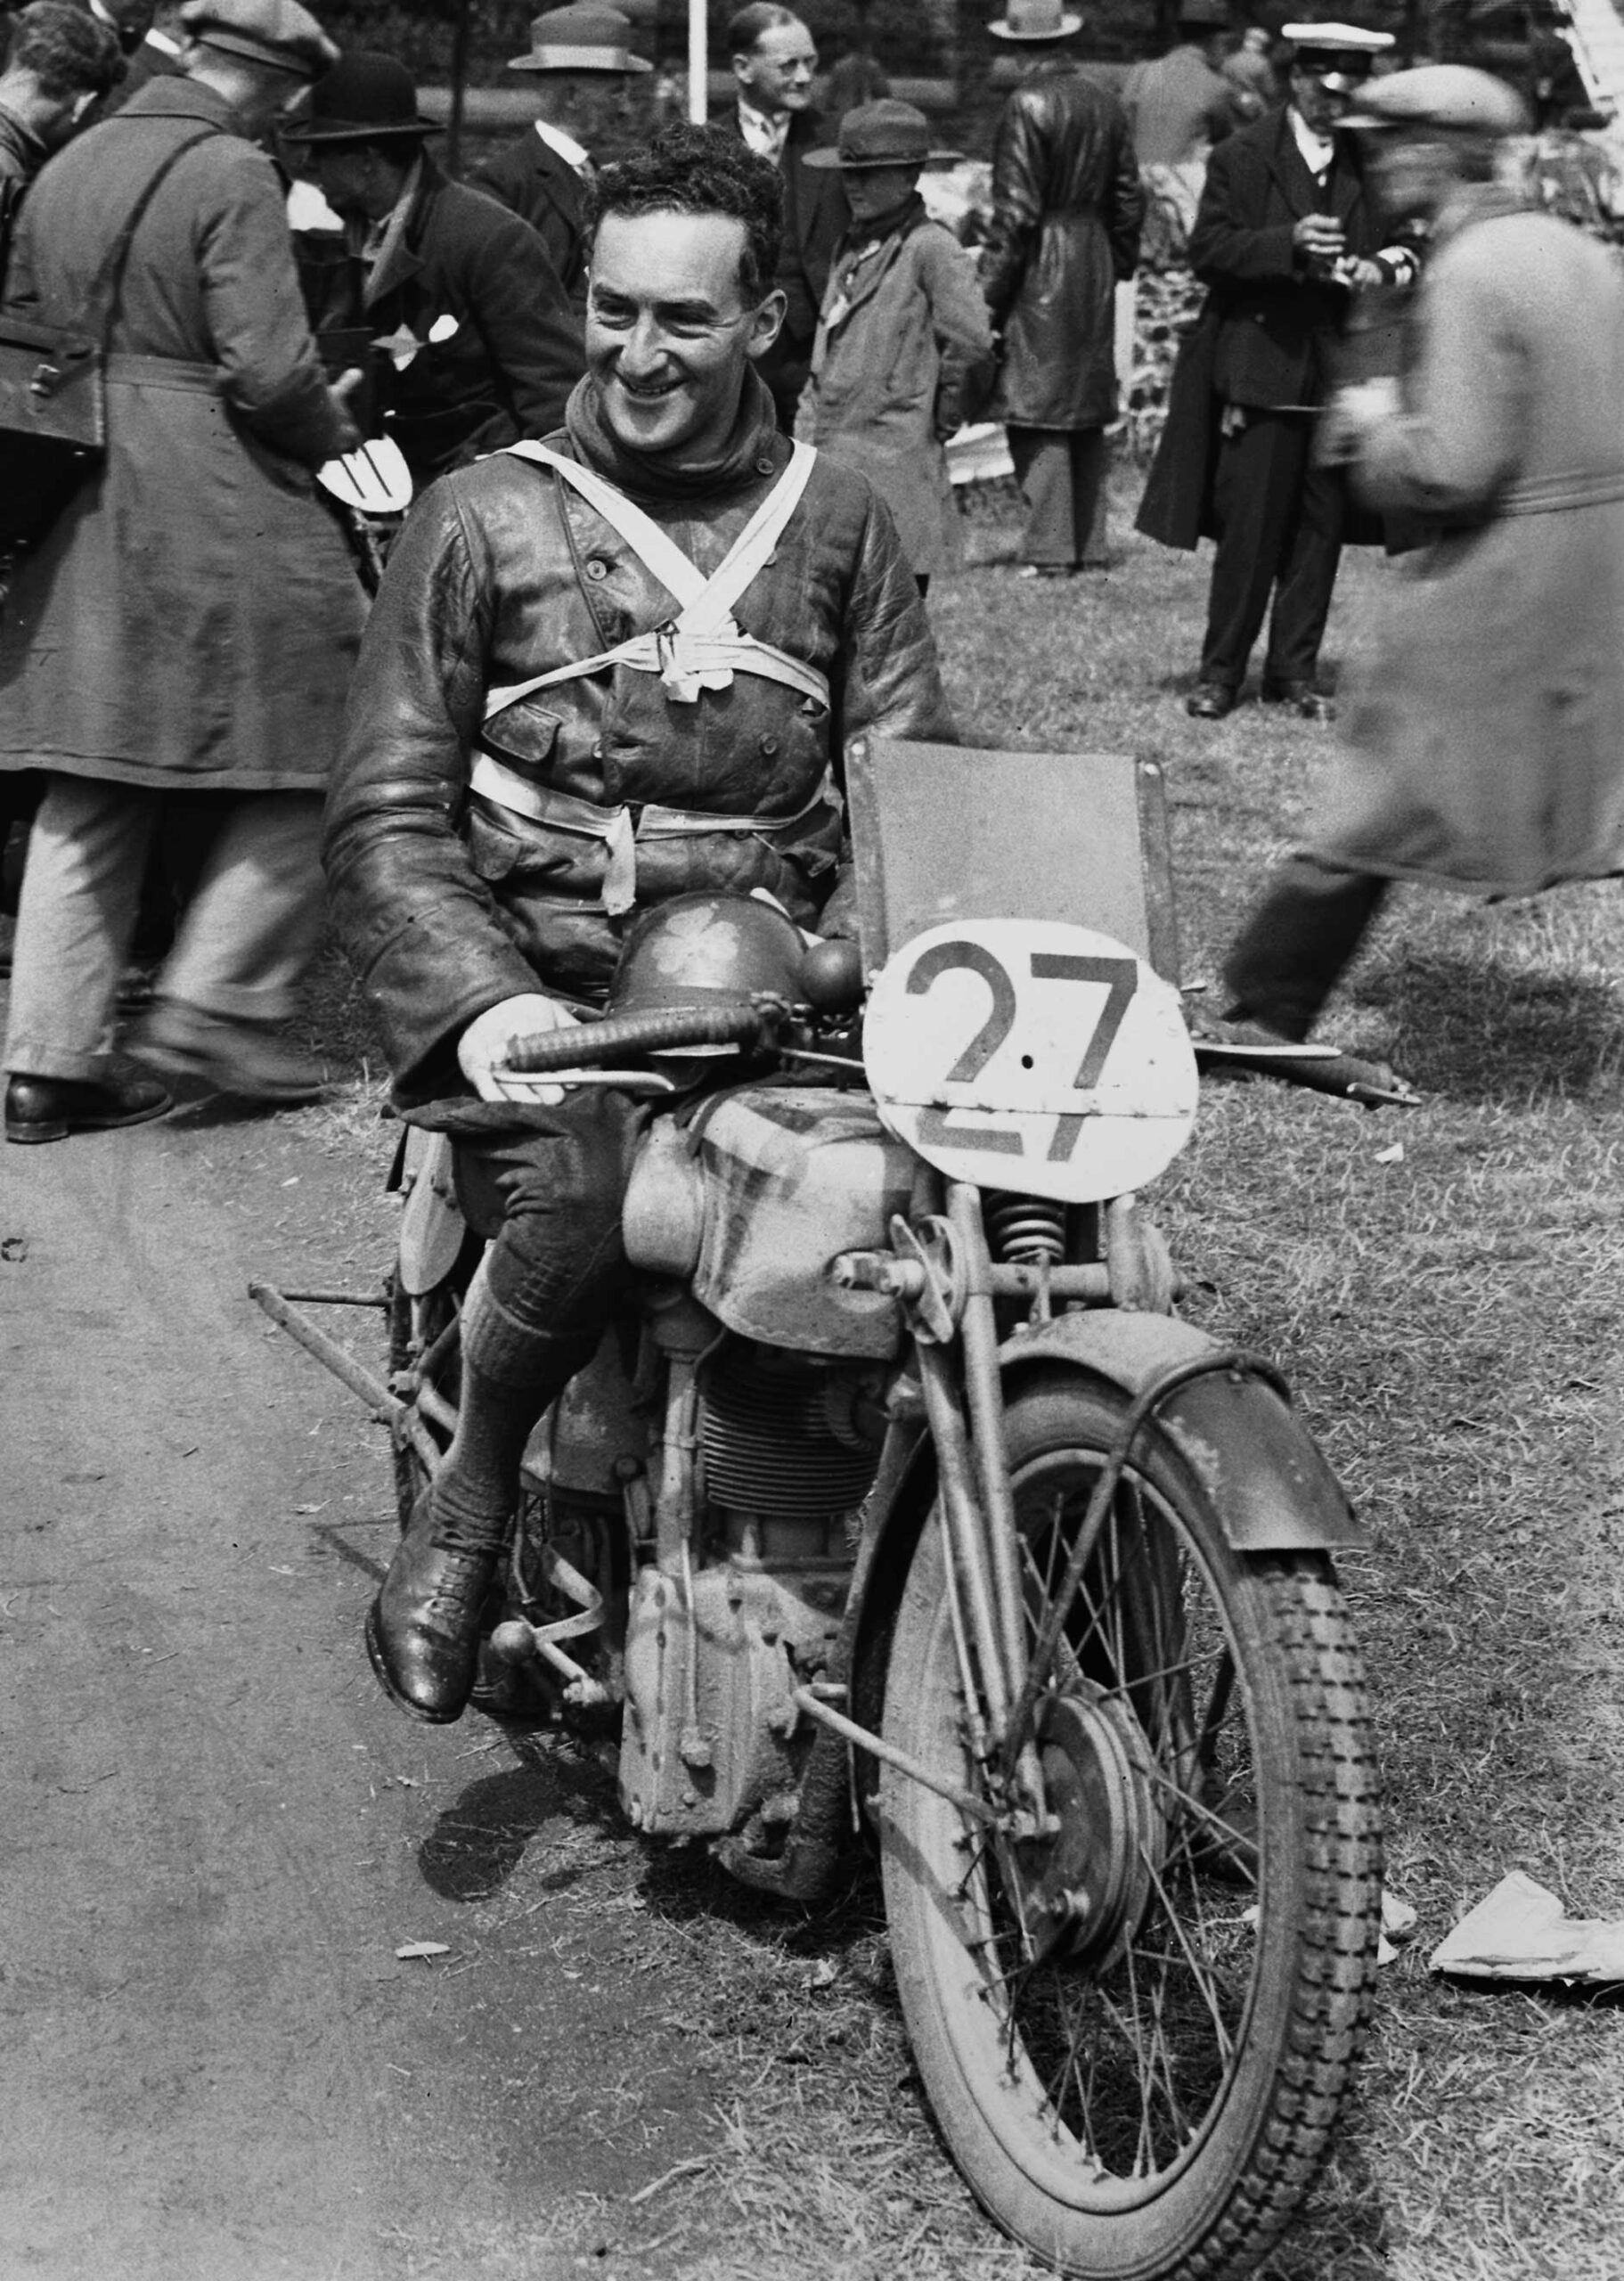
{"x": 698, "y": 63}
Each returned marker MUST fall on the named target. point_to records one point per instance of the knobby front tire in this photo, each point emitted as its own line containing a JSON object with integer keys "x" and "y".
{"x": 1136, "y": 2038}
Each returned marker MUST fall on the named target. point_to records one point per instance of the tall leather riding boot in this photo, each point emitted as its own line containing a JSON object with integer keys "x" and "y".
{"x": 423, "y": 1629}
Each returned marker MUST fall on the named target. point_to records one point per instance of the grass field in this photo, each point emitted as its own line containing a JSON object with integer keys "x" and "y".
{"x": 1453, "y": 1324}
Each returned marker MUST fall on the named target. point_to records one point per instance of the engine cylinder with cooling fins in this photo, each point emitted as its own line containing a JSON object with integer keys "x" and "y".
{"x": 782, "y": 1442}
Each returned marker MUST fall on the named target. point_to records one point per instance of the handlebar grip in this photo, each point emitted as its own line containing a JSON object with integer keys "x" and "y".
{"x": 595, "y": 1044}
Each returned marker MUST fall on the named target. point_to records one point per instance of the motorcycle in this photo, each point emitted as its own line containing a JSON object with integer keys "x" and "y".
{"x": 903, "y": 1499}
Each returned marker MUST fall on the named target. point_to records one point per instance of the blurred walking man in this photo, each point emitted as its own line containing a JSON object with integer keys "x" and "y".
{"x": 1485, "y": 746}
{"x": 180, "y": 643}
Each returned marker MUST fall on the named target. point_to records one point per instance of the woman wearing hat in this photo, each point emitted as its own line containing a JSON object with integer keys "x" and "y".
{"x": 1066, "y": 212}
{"x": 903, "y": 308}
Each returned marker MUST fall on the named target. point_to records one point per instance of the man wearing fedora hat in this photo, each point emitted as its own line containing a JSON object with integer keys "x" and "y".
{"x": 536, "y": 751}
{"x": 1067, "y": 208}
{"x": 1286, "y": 230}
{"x": 175, "y": 651}
{"x": 578, "y": 63}
{"x": 460, "y": 294}
{"x": 903, "y": 315}
{"x": 774, "y": 60}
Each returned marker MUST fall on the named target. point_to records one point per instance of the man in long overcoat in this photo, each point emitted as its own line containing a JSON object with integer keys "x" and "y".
{"x": 774, "y": 61}
{"x": 460, "y": 294}
{"x": 490, "y": 842}
{"x": 904, "y": 329}
{"x": 1067, "y": 209}
{"x": 1285, "y": 231}
{"x": 181, "y": 642}
{"x": 1485, "y": 746}
{"x": 578, "y": 62}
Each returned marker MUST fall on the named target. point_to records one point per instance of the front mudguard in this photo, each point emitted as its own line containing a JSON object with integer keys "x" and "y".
{"x": 1270, "y": 1487}
{"x": 1235, "y": 1428}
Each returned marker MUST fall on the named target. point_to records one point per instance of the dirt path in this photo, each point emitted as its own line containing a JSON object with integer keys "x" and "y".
{"x": 218, "y": 1834}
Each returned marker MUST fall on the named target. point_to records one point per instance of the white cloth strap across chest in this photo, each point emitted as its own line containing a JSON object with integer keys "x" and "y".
{"x": 702, "y": 647}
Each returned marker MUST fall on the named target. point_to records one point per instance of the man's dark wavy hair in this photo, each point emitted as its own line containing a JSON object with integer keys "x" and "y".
{"x": 700, "y": 170}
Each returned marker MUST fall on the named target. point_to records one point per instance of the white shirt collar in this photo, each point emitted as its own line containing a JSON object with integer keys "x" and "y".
{"x": 573, "y": 153}
{"x": 1317, "y": 150}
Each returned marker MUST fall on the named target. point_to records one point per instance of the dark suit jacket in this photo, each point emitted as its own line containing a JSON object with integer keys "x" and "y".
{"x": 1276, "y": 324}
{"x": 1267, "y": 334}
{"x": 815, "y": 219}
{"x": 529, "y": 179}
{"x": 510, "y": 347}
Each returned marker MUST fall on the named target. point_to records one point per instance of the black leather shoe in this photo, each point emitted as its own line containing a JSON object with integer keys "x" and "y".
{"x": 49, "y": 1109}
{"x": 422, "y": 1631}
{"x": 1301, "y": 697}
{"x": 1211, "y": 700}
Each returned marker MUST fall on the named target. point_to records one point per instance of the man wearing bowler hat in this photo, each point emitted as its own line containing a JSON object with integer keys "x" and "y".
{"x": 479, "y": 339}
{"x": 1067, "y": 213}
{"x": 175, "y": 653}
{"x": 1285, "y": 231}
{"x": 578, "y": 63}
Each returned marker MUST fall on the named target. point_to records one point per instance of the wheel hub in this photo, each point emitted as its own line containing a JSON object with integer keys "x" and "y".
{"x": 1084, "y": 1892}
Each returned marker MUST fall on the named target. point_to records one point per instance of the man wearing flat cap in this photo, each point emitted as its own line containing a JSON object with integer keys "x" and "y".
{"x": 1067, "y": 209}
{"x": 578, "y": 64}
{"x": 173, "y": 655}
{"x": 477, "y": 338}
{"x": 1484, "y": 749}
{"x": 1285, "y": 231}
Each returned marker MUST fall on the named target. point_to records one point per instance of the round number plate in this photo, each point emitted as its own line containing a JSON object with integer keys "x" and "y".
{"x": 1030, "y": 1055}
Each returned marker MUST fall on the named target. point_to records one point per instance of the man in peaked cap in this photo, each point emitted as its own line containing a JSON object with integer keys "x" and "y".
{"x": 1484, "y": 749}
{"x": 1286, "y": 230}
{"x": 175, "y": 653}
{"x": 461, "y": 297}
{"x": 578, "y": 63}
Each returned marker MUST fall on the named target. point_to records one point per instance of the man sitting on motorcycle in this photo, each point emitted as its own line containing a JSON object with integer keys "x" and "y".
{"x": 600, "y": 673}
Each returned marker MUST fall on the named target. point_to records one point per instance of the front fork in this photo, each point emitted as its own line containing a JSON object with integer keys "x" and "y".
{"x": 966, "y": 1424}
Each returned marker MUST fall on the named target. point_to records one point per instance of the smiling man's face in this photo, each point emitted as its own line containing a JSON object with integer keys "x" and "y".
{"x": 669, "y": 331}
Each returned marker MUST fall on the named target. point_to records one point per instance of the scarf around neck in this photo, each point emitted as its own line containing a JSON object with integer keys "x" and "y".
{"x": 865, "y": 237}
{"x": 754, "y": 448}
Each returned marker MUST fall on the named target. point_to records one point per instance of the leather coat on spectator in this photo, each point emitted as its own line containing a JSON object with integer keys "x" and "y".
{"x": 1066, "y": 212}
{"x": 191, "y": 619}
{"x": 448, "y": 903}
{"x": 497, "y": 345}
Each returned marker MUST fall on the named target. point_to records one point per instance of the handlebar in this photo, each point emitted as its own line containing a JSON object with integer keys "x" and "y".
{"x": 588, "y": 1045}
{"x": 1318, "y": 1069}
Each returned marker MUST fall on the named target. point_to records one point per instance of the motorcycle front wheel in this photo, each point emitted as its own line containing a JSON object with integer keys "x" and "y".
{"x": 1136, "y": 2031}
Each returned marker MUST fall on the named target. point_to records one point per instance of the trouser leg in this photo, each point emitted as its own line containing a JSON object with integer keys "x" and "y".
{"x": 1042, "y": 460}
{"x": 1254, "y": 493}
{"x": 76, "y": 917}
{"x": 250, "y": 865}
{"x": 1091, "y": 496}
{"x": 1307, "y": 576}
{"x": 540, "y": 1302}
{"x": 1292, "y": 951}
